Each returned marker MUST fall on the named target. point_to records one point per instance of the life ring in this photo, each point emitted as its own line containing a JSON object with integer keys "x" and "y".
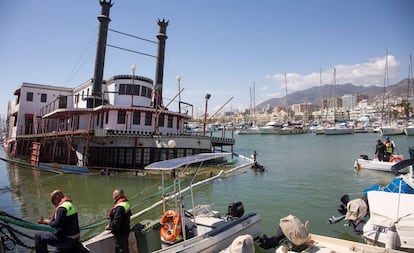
{"x": 396, "y": 159}
{"x": 171, "y": 228}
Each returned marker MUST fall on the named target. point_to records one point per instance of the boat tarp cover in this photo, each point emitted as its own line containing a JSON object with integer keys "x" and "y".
{"x": 182, "y": 161}
{"x": 394, "y": 186}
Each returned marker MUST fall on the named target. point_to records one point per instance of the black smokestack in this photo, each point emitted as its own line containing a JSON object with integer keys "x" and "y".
{"x": 101, "y": 48}
{"x": 159, "y": 72}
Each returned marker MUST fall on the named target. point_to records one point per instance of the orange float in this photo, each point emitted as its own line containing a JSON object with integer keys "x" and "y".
{"x": 171, "y": 228}
{"x": 396, "y": 159}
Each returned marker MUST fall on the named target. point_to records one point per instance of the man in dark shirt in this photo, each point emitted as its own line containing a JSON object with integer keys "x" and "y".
{"x": 65, "y": 220}
{"x": 380, "y": 150}
{"x": 119, "y": 224}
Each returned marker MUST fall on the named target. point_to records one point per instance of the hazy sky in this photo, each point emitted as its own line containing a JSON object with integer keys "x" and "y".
{"x": 221, "y": 47}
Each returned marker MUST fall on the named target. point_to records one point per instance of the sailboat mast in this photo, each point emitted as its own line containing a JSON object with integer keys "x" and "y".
{"x": 334, "y": 104}
{"x": 320, "y": 95}
{"x": 385, "y": 87}
{"x": 250, "y": 104}
{"x": 410, "y": 80}
{"x": 286, "y": 98}
{"x": 254, "y": 97}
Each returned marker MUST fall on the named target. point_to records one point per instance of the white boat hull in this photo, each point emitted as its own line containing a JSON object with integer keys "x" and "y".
{"x": 338, "y": 131}
{"x": 319, "y": 130}
{"x": 325, "y": 244}
{"x": 249, "y": 130}
{"x": 361, "y": 163}
{"x": 269, "y": 130}
{"x": 391, "y": 130}
{"x": 391, "y": 227}
{"x": 220, "y": 235}
{"x": 409, "y": 130}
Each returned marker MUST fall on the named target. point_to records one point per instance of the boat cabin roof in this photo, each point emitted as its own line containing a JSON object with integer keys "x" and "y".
{"x": 182, "y": 161}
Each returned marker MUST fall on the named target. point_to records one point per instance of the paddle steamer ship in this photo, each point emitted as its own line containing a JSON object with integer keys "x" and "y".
{"x": 120, "y": 122}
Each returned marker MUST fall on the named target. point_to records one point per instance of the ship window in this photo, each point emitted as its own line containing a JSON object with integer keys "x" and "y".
{"x": 143, "y": 91}
{"x": 107, "y": 117}
{"x": 138, "y": 156}
{"x": 161, "y": 120}
{"x": 122, "y": 89}
{"x": 149, "y": 92}
{"x": 170, "y": 122}
{"x": 148, "y": 118}
{"x": 180, "y": 152}
{"x": 63, "y": 102}
{"x": 136, "y": 89}
{"x": 43, "y": 97}
{"x": 121, "y": 117}
{"x": 136, "y": 118}
{"x": 170, "y": 154}
{"x": 29, "y": 96}
{"x": 128, "y": 156}
{"x": 129, "y": 89}
{"x": 146, "y": 156}
{"x": 121, "y": 156}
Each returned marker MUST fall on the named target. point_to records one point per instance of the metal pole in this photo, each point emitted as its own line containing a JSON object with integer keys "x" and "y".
{"x": 205, "y": 114}
{"x": 179, "y": 94}
{"x": 133, "y": 68}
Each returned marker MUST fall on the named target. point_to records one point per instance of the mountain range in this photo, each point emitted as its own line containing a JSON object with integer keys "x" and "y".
{"x": 316, "y": 93}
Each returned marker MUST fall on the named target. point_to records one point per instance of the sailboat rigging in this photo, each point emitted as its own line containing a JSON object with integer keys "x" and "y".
{"x": 388, "y": 128}
{"x": 338, "y": 128}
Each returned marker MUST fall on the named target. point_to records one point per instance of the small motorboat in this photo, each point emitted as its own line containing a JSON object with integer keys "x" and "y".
{"x": 364, "y": 162}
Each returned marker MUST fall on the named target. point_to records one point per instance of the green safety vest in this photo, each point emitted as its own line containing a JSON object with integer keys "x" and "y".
{"x": 388, "y": 148}
{"x": 125, "y": 205}
{"x": 70, "y": 208}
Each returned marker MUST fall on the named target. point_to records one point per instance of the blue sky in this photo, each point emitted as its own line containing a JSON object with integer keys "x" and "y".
{"x": 221, "y": 47}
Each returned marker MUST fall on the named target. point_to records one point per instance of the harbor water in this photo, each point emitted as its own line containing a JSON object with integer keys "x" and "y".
{"x": 305, "y": 176}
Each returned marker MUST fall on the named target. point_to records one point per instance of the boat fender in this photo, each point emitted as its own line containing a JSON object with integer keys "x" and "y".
{"x": 171, "y": 226}
{"x": 357, "y": 165}
{"x": 294, "y": 230}
{"x": 396, "y": 158}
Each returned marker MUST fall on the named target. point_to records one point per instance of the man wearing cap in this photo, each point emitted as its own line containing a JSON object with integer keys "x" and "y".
{"x": 119, "y": 224}
{"x": 65, "y": 221}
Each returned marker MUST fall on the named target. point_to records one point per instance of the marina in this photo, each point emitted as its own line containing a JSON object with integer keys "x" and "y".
{"x": 305, "y": 176}
{"x": 190, "y": 187}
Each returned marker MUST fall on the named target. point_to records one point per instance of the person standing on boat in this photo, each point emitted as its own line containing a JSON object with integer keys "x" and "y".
{"x": 65, "y": 220}
{"x": 389, "y": 148}
{"x": 254, "y": 157}
{"x": 380, "y": 150}
{"x": 119, "y": 224}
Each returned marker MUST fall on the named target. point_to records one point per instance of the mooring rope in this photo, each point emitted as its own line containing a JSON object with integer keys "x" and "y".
{"x": 7, "y": 218}
{"x": 11, "y": 236}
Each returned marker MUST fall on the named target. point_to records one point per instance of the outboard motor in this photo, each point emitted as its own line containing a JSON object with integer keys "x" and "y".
{"x": 365, "y": 157}
{"x": 235, "y": 210}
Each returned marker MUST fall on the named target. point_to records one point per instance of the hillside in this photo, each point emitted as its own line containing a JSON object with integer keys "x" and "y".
{"x": 314, "y": 94}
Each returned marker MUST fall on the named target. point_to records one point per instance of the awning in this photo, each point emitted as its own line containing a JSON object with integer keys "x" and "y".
{"x": 179, "y": 162}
